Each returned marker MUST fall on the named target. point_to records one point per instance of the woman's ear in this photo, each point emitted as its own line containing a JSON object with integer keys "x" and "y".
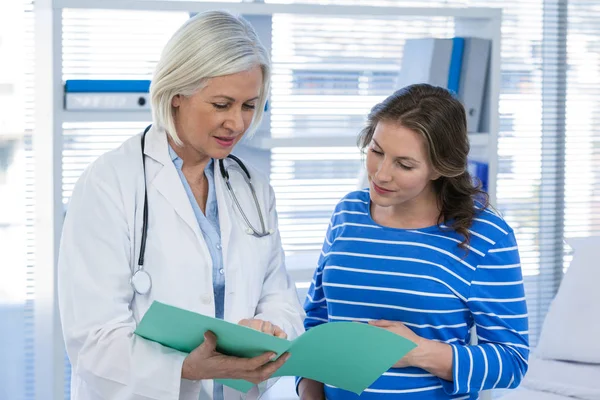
{"x": 434, "y": 176}
{"x": 176, "y": 101}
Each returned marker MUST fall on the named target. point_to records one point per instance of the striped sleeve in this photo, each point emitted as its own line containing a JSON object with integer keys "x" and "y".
{"x": 497, "y": 304}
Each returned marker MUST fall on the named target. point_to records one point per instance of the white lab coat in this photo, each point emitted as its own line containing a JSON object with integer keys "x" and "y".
{"x": 99, "y": 250}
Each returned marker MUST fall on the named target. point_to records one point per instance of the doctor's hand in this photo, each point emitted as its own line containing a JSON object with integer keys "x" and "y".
{"x": 264, "y": 326}
{"x": 206, "y": 363}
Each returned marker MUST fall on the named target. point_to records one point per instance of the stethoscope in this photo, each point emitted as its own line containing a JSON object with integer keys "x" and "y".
{"x": 141, "y": 280}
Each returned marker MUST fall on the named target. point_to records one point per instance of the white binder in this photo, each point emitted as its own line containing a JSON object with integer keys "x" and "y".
{"x": 458, "y": 64}
{"x": 107, "y": 101}
{"x": 425, "y": 61}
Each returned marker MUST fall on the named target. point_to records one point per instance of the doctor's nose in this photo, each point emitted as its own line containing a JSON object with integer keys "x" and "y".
{"x": 235, "y": 121}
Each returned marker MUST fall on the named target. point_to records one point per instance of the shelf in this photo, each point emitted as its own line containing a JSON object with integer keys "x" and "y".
{"x": 306, "y": 141}
{"x": 479, "y": 139}
{"x": 257, "y": 142}
{"x": 476, "y": 140}
{"x": 268, "y": 9}
{"x": 12, "y": 135}
{"x": 106, "y": 116}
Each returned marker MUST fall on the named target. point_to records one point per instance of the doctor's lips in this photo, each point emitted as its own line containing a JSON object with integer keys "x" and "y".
{"x": 225, "y": 141}
{"x": 381, "y": 190}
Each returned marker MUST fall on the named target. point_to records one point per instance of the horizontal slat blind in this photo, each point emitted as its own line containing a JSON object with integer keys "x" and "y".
{"x": 549, "y": 153}
{"x": 100, "y": 44}
{"x": 308, "y": 183}
{"x": 29, "y": 200}
{"x": 105, "y": 44}
{"x": 328, "y": 73}
{"x": 582, "y": 158}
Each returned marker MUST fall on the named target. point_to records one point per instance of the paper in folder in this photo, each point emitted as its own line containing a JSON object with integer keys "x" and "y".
{"x": 347, "y": 355}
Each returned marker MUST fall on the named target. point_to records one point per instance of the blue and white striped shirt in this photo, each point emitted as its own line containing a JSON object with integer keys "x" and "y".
{"x": 422, "y": 278}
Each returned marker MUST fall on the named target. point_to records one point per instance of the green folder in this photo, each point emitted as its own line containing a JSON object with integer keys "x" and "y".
{"x": 347, "y": 355}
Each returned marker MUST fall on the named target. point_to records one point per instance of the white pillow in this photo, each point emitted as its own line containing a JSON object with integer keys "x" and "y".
{"x": 571, "y": 330}
{"x": 564, "y": 378}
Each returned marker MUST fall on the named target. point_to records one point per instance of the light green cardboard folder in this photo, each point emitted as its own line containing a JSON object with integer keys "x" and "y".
{"x": 347, "y": 355}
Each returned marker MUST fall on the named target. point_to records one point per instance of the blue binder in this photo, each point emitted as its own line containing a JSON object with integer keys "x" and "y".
{"x": 479, "y": 173}
{"x": 459, "y": 64}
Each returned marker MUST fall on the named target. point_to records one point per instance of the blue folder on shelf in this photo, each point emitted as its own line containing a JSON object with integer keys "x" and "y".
{"x": 479, "y": 173}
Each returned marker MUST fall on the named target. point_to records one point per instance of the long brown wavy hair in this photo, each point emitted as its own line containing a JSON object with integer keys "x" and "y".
{"x": 440, "y": 119}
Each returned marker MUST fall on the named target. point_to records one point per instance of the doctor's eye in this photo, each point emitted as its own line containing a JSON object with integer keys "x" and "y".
{"x": 220, "y": 106}
{"x": 379, "y": 153}
{"x": 249, "y": 106}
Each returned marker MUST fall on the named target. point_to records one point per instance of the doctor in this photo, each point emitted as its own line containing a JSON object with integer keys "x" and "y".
{"x": 209, "y": 242}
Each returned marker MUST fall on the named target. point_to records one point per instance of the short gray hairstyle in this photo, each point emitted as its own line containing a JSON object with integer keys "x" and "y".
{"x": 208, "y": 45}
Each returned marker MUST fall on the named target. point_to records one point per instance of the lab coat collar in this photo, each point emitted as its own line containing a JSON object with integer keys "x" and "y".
{"x": 164, "y": 177}
{"x": 157, "y": 146}
{"x": 169, "y": 184}
{"x": 225, "y": 204}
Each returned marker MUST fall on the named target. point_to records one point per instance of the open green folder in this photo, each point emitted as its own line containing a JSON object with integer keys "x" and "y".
{"x": 347, "y": 355}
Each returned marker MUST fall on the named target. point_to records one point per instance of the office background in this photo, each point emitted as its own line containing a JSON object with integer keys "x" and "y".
{"x": 328, "y": 71}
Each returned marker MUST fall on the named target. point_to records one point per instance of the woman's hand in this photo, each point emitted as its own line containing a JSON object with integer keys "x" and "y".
{"x": 432, "y": 356}
{"x": 400, "y": 329}
{"x": 206, "y": 363}
{"x": 310, "y": 390}
{"x": 264, "y": 326}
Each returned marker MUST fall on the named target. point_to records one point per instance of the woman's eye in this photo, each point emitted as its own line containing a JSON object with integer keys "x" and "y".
{"x": 376, "y": 152}
{"x": 406, "y": 167}
{"x": 220, "y": 106}
{"x": 249, "y": 106}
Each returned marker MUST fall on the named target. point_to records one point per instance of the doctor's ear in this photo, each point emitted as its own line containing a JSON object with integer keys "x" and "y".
{"x": 176, "y": 101}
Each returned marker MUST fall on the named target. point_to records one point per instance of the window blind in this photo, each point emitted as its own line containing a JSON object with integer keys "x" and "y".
{"x": 547, "y": 185}
{"x": 28, "y": 372}
{"x": 328, "y": 72}
{"x": 106, "y": 44}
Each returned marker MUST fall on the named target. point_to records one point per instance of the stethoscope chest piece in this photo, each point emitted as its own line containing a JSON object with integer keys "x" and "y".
{"x": 141, "y": 282}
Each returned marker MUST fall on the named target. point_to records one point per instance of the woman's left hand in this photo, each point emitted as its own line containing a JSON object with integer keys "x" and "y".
{"x": 400, "y": 329}
{"x": 264, "y": 326}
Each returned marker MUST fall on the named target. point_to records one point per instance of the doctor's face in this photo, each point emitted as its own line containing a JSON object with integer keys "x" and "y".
{"x": 398, "y": 165}
{"x": 216, "y": 117}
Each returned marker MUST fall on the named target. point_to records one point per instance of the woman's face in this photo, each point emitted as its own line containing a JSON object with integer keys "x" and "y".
{"x": 398, "y": 166}
{"x": 216, "y": 117}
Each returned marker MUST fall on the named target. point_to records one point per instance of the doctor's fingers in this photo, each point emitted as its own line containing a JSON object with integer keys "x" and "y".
{"x": 210, "y": 341}
{"x": 255, "y": 324}
{"x": 264, "y": 372}
{"x": 277, "y": 331}
{"x": 267, "y": 327}
{"x": 264, "y": 326}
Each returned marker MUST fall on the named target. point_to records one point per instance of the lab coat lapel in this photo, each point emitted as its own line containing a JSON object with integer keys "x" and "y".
{"x": 164, "y": 177}
{"x": 224, "y": 204}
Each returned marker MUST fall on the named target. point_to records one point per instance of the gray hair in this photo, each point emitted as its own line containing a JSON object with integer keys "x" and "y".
{"x": 208, "y": 45}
